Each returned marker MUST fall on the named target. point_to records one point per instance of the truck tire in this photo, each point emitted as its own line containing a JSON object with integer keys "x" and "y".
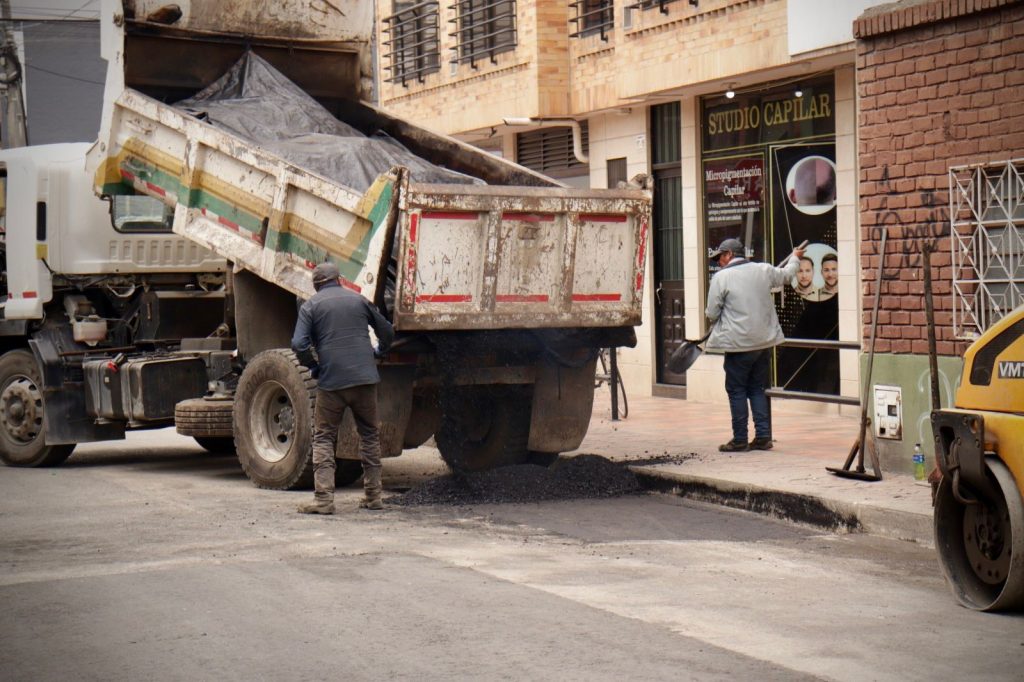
{"x": 981, "y": 546}
{"x": 203, "y": 418}
{"x": 216, "y": 445}
{"x": 273, "y": 421}
{"x": 484, "y": 427}
{"x": 22, "y": 418}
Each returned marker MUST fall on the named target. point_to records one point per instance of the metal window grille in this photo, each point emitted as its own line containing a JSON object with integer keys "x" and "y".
{"x": 987, "y": 237}
{"x": 549, "y": 150}
{"x": 483, "y": 28}
{"x": 592, "y": 16}
{"x": 662, "y": 5}
{"x": 413, "y": 45}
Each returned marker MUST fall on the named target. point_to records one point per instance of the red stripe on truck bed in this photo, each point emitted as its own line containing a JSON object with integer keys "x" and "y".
{"x": 641, "y": 254}
{"x": 596, "y": 297}
{"x": 449, "y": 215}
{"x": 444, "y": 298}
{"x": 602, "y": 218}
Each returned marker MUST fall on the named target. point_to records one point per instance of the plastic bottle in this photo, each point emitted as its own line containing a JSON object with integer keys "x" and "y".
{"x": 919, "y": 473}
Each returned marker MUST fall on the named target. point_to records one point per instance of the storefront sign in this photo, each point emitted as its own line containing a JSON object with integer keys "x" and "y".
{"x": 772, "y": 116}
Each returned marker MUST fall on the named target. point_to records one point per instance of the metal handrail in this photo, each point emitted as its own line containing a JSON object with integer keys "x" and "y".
{"x": 813, "y": 397}
{"x": 828, "y": 344}
{"x": 817, "y": 344}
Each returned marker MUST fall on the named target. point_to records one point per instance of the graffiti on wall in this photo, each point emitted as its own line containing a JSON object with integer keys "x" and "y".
{"x": 909, "y": 242}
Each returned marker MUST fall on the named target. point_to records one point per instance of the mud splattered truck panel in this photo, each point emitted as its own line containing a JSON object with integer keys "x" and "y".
{"x": 501, "y": 283}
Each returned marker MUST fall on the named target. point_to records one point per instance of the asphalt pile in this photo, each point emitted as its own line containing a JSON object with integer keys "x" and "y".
{"x": 580, "y": 477}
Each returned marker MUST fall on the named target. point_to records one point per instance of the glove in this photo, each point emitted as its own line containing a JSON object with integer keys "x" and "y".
{"x": 315, "y": 371}
{"x": 378, "y": 353}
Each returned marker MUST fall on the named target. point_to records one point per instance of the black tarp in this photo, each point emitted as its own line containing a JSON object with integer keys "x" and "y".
{"x": 256, "y": 102}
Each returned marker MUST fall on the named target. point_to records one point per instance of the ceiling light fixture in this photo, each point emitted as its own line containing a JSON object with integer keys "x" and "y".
{"x": 729, "y": 91}
{"x": 799, "y": 92}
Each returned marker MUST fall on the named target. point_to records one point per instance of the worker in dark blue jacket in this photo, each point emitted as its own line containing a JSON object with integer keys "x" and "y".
{"x": 334, "y": 322}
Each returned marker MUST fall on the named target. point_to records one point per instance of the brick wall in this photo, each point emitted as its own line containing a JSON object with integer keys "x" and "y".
{"x": 940, "y": 84}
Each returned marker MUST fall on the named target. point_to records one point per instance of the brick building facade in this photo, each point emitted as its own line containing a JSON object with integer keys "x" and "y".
{"x": 940, "y": 85}
{"x": 901, "y": 93}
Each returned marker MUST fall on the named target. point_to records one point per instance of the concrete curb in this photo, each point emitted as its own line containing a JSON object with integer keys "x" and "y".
{"x": 813, "y": 510}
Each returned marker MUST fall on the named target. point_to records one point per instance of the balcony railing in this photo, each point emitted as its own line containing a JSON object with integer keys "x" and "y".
{"x": 413, "y": 47}
{"x": 592, "y": 16}
{"x": 484, "y": 28}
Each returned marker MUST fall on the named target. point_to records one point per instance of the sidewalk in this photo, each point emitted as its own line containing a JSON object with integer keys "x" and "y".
{"x": 789, "y": 481}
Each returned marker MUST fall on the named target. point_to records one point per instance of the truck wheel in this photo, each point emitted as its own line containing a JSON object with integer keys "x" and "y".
{"x": 217, "y": 445}
{"x": 484, "y": 427}
{"x": 22, "y": 418}
{"x": 981, "y": 547}
{"x": 273, "y": 421}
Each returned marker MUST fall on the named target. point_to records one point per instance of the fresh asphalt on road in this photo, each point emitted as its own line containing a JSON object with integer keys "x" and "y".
{"x": 149, "y": 559}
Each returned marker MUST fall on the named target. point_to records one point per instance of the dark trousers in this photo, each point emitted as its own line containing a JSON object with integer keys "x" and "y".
{"x": 746, "y": 378}
{"x": 330, "y": 409}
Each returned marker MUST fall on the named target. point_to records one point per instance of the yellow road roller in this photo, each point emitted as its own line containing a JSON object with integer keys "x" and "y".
{"x": 979, "y": 513}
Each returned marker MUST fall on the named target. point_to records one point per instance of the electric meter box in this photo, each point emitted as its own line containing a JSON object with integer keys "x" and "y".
{"x": 889, "y": 412}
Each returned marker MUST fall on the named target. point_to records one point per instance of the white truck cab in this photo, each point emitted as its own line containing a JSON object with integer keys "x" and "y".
{"x": 53, "y": 224}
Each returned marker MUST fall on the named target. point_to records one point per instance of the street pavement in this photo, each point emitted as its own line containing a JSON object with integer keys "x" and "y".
{"x": 675, "y": 443}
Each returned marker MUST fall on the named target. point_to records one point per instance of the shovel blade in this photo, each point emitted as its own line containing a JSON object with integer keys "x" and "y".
{"x": 682, "y": 358}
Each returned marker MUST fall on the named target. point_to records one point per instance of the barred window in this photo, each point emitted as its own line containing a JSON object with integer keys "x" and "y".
{"x": 484, "y": 29}
{"x": 592, "y": 16}
{"x": 549, "y": 151}
{"x": 412, "y": 45}
{"x": 662, "y": 5}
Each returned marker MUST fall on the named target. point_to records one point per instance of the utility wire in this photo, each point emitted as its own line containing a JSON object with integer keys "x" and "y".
{"x": 84, "y": 5}
{"x": 63, "y": 75}
{"x": 38, "y": 20}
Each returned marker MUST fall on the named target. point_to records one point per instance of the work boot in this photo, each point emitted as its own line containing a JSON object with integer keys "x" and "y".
{"x": 371, "y": 489}
{"x": 734, "y": 446}
{"x": 317, "y": 507}
{"x": 761, "y": 443}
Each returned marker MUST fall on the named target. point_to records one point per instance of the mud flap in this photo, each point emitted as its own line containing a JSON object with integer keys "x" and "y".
{"x": 563, "y": 399}
{"x": 394, "y": 406}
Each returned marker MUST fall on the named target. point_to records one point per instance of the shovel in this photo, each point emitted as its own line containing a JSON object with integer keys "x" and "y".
{"x": 682, "y": 358}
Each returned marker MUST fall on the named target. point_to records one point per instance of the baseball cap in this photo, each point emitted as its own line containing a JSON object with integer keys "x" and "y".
{"x": 325, "y": 272}
{"x": 728, "y": 246}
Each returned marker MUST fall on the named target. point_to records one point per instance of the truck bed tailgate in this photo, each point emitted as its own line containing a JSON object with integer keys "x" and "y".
{"x": 511, "y": 257}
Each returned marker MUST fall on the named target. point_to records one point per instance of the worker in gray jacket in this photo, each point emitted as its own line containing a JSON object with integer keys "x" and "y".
{"x": 746, "y": 327}
{"x": 334, "y": 322}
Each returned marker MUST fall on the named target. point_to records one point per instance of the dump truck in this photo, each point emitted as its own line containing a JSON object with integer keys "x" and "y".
{"x": 502, "y": 284}
{"x": 979, "y": 504}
